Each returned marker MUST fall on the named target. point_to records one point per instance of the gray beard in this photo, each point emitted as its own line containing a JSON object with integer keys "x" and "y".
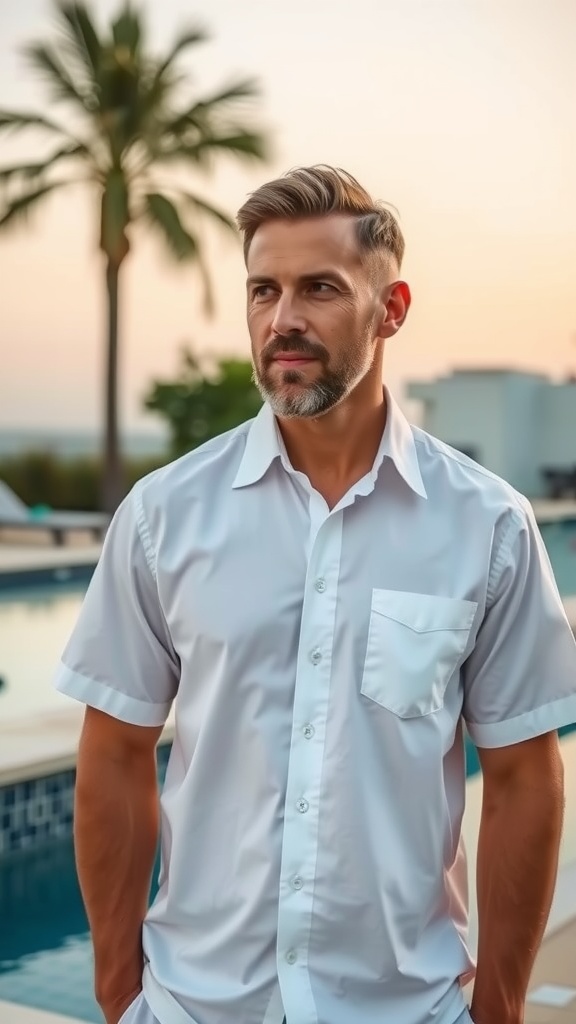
{"x": 314, "y": 400}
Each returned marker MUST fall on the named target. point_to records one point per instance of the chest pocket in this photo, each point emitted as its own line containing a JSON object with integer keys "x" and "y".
{"x": 414, "y": 644}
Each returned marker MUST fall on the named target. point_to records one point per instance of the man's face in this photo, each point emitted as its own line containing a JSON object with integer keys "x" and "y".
{"x": 314, "y": 313}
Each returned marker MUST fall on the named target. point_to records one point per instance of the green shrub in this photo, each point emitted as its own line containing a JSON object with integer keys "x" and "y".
{"x": 42, "y": 478}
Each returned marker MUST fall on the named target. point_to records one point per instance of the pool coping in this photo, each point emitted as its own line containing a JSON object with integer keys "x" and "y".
{"x": 20, "y": 1014}
{"x": 35, "y": 745}
{"x": 30, "y": 565}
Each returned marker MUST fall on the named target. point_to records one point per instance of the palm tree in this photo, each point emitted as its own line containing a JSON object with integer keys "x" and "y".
{"x": 128, "y": 135}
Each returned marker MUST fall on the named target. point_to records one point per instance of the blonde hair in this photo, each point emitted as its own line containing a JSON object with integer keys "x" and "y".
{"x": 319, "y": 191}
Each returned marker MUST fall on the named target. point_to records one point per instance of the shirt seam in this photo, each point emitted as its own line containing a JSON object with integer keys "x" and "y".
{"x": 501, "y": 557}
{"x": 444, "y": 451}
{"x": 151, "y": 557}
{"x": 144, "y": 534}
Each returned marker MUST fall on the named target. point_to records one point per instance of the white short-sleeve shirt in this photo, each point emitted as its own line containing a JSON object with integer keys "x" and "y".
{"x": 322, "y": 665}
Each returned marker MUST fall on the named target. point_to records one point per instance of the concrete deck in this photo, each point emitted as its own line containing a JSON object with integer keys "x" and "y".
{"x": 20, "y": 557}
{"x": 553, "y": 511}
{"x": 37, "y": 745}
{"x": 12, "y": 1014}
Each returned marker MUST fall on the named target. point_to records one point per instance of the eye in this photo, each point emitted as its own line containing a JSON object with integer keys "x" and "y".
{"x": 261, "y": 291}
{"x": 321, "y": 287}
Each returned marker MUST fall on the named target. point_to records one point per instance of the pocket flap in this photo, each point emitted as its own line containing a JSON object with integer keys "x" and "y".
{"x": 424, "y": 613}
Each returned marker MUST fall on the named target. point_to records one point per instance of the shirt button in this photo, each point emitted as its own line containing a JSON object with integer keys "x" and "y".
{"x": 302, "y": 805}
{"x": 297, "y": 882}
{"x": 320, "y": 585}
{"x": 316, "y": 656}
{"x": 308, "y": 731}
{"x": 291, "y": 956}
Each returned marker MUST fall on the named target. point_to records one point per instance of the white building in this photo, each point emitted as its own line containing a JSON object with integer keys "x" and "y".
{"x": 515, "y": 424}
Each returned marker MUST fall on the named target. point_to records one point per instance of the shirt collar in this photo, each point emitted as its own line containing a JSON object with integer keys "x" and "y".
{"x": 264, "y": 444}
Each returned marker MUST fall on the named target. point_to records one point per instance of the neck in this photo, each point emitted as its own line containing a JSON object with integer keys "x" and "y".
{"x": 337, "y": 449}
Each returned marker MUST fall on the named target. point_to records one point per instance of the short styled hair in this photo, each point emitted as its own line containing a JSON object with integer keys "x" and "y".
{"x": 319, "y": 191}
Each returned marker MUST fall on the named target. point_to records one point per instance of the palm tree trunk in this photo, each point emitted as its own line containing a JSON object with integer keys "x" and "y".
{"x": 112, "y": 475}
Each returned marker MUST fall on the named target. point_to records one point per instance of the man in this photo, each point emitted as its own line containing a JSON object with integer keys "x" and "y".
{"x": 327, "y": 594}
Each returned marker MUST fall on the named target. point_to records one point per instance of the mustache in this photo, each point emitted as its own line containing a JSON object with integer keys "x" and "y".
{"x": 293, "y": 343}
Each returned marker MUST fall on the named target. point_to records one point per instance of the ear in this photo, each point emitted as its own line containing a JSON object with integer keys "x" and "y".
{"x": 396, "y": 302}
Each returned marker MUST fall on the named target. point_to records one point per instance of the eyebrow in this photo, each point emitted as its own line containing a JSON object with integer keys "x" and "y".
{"x": 330, "y": 276}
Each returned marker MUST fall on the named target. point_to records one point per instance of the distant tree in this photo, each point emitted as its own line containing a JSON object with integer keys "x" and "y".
{"x": 126, "y": 129}
{"x": 204, "y": 400}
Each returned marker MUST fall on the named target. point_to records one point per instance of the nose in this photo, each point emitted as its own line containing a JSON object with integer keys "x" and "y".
{"x": 288, "y": 318}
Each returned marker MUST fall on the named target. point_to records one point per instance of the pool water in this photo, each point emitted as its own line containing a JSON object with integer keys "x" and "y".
{"x": 45, "y": 950}
{"x": 35, "y": 623}
{"x": 45, "y": 954}
{"x": 560, "y": 541}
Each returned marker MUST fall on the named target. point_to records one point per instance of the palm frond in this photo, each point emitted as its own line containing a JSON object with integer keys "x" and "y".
{"x": 13, "y": 120}
{"x": 64, "y": 86}
{"x": 208, "y": 302}
{"x": 37, "y": 170}
{"x": 189, "y": 37}
{"x": 203, "y": 111}
{"x": 201, "y": 206}
{"x": 127, "y": 30}
{"x": 19, "y": 209}
{"x": 244, "y": 145}
{"x": 245, "y": 88}
{"x": 163, "y": 214}
{"x": 185, "y": 247}
{"x": 82, "y": 35}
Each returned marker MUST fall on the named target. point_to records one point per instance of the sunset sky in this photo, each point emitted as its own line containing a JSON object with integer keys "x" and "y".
{"x": 461, "y": 113}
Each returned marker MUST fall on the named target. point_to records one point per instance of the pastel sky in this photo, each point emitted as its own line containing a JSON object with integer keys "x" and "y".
{"x": 461, "y": 113}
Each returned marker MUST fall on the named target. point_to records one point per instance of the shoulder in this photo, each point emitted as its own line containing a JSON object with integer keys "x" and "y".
{"x": 194, "y": 474}
{"x": 445, "y": 469}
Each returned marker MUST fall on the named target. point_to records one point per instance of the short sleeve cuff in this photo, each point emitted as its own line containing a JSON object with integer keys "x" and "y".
{"x": 525, "y": 727}
{"x": 102, "y": 697}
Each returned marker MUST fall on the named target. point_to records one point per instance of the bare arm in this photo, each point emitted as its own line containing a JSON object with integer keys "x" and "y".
{"x": 520, "y": 832}
{"x": 115, "y": 834}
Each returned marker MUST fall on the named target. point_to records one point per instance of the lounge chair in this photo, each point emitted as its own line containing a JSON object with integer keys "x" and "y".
{"x": 15, "y": 515}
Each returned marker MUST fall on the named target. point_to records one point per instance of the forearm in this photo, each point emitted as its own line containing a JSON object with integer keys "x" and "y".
{"x": 517, "y": 864}
{"x": 115, "y": 832}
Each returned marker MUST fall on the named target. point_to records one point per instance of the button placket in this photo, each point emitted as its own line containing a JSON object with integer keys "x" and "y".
{"x": 310, "y": 709}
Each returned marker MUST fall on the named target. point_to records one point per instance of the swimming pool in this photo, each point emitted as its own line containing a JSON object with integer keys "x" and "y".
{"x": 45, "y": 951}
{"x": 35, "y": 623}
